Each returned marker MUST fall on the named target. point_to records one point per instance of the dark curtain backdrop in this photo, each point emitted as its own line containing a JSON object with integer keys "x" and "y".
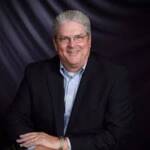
{"x": 120, "y": 31}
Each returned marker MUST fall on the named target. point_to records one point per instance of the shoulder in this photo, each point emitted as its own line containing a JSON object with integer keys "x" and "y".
{"x": 43, "y": 65}
{"x": 39, "y": 70}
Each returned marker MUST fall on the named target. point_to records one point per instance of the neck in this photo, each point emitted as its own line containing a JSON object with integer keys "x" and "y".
{"x": 72, "y": 68}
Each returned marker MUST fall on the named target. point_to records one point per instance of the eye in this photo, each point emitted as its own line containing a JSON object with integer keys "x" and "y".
{"x": 79, "y": 38}
{"x": 63, "y": 39}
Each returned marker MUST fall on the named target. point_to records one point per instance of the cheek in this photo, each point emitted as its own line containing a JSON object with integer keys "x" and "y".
{"x": 87, "y": 44}
{"x": 86, "y": 47}
{"x": 61, "y": 49}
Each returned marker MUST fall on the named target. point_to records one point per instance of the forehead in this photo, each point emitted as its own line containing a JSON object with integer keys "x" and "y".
{"x": 70, "y": 28}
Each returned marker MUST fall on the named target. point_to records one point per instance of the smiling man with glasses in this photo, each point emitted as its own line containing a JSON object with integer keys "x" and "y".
{"x": 72, "y": 40}
{"x": 74, "y": 101}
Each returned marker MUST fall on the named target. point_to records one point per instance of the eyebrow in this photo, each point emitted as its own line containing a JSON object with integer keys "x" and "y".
{"x": 70, "y": 35}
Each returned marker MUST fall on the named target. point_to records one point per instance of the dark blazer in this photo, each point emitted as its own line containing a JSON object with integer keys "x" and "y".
{"x": 101, "y": 114}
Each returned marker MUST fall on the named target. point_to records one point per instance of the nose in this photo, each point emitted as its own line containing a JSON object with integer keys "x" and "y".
{"x": 71, "y": 42}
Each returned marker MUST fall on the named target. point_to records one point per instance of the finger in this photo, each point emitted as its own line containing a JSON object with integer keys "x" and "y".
{"x": 28, "y": 144}
{"x": 28, "y": 134}
{"x": 32, "y": 142}
{"x": 24, "y": 139}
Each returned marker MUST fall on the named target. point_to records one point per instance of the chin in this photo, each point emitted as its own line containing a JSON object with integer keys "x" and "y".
{"x": 74, "y": 63}
{"x": 75, "y": 60}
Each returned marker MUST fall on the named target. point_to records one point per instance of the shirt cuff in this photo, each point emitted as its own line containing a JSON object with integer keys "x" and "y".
{"x": 69, "y": 144}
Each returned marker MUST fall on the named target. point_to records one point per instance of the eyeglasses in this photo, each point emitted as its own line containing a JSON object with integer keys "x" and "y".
{"x": 76, "y": 38}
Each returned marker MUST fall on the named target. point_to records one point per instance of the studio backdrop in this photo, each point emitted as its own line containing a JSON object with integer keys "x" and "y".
{"x": 120, "y": 33}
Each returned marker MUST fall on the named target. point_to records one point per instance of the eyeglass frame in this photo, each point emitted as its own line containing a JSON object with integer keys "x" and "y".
{"x": 76, "y": 38}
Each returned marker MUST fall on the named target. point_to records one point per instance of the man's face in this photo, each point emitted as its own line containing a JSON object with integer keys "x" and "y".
{"x": 73, "y": 45}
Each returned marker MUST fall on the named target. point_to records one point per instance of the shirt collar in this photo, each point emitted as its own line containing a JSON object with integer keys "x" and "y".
{"x": 71, "y": 74}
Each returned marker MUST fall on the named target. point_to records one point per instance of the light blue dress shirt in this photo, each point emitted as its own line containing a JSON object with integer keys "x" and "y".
{"x": 71, "y": 84}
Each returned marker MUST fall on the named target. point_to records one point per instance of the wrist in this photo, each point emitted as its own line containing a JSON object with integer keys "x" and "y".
{"x": 63, "y": 144}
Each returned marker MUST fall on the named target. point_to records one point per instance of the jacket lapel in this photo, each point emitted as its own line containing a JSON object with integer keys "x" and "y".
{"x": 81, "y": 91}
{"x": 94, "y": 71}
{"x": 56, "y": 88}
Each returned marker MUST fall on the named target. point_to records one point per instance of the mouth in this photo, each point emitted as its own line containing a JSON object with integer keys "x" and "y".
{"x": 73, "y": 52}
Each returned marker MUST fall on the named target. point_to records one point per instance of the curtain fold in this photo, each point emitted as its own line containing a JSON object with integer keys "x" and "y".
{"x": 120, "y": 33}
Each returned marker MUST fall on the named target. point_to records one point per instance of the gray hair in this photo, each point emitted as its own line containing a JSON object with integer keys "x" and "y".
{"x": 72, "y": 15}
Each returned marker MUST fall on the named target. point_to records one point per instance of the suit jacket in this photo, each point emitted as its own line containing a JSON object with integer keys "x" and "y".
{"x": 101, "y": 113}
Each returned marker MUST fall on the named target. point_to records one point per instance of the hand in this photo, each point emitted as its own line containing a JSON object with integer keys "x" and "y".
{"x": 42, "y": 148}
{"x": 38, "y": 139}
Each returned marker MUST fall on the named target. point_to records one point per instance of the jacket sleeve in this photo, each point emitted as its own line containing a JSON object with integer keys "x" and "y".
{"x": 117, "y": 123}
{"x": 18, "y": 119}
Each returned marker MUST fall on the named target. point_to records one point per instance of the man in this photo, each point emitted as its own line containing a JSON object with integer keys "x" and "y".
{"x": 73, "y": 101}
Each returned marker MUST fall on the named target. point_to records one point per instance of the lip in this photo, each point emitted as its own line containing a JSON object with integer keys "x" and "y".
{"x": 73, "y": 51}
